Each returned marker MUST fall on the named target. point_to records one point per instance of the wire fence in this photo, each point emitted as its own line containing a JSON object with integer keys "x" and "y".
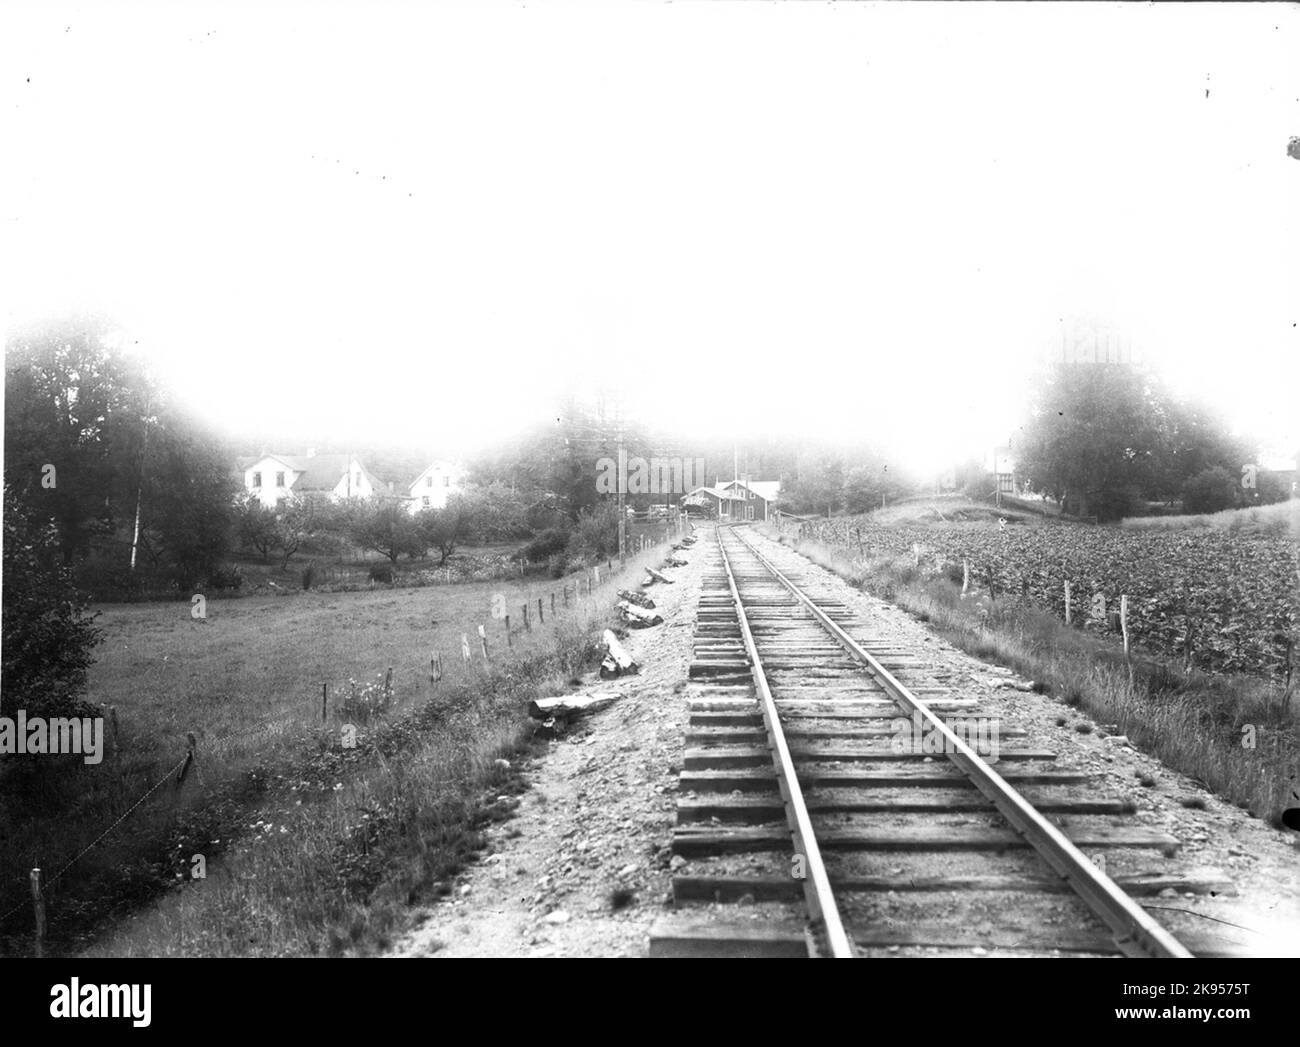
{"x": 349, "y": 702}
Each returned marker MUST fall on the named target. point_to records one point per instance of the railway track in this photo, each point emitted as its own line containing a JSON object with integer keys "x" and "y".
{"x": 836, "y": 799}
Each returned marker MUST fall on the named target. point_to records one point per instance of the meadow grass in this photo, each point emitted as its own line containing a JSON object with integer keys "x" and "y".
{"x": 246, "y": 682}
{"x": 1280, "y": 518}
{"x": 953, "y": 508}
{"x": 1200, "y": 724}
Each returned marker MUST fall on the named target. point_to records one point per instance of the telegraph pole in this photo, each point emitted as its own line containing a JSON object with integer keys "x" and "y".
{"x": 139, "y": 488}
{"x": 735, "y": 477}
{"x": 622, "y": 489}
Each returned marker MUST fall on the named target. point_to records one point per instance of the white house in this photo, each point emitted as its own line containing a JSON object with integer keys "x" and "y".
{"x": 274, "y": 477}
{"x": 432, "y": 488}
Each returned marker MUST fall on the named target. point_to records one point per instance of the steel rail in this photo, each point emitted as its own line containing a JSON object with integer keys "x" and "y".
{"x": 1135, "y": 932}
{"x": 822, "y": 908}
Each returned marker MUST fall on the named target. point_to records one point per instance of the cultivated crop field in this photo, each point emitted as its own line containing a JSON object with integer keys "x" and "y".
{"x": 1222, "y": 601}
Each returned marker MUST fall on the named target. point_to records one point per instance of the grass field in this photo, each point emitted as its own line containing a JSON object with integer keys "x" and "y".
{"x": 260, "y": 663}
{"x": 1280, "y": 518}
{"x": 949, "y": 509}
{"x": 246, "y": 681}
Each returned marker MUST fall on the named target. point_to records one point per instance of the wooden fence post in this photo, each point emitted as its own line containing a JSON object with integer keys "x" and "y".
{"x": 189, "y": 758}
{"x": 509, "y": 642}
{"x": 1067, "y": 601}
{"x": 38, "y": 903}
{"x": 552, "y": 603}
{"x": 117, "y": 748}
{"x": 388, "y": 683}
{"x": 435, "y": 667}
{"x": 482, "y": 641}
{"x": 541, "y": 613}
{"x": 527, "y": 623}
{"x": 324, "y": 702}
{"x": 1123, "y": 621}
{"x": 464, "y": 648}
{"x": 965, "y": 577}
{"x": 566, "y": 596}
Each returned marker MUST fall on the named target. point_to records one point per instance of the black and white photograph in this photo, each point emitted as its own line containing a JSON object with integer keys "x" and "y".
{"x": 707, "y": 480}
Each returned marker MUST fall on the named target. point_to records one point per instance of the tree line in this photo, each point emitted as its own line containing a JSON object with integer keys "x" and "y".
{"x": 1106, "y": 439}
{"x": 1102, "y": 440}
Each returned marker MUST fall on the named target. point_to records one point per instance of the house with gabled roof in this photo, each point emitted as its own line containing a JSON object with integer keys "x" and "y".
{"x": 737, "y": 500}
{"x": 433, "y": 487}
{"x": 275, "y": 477}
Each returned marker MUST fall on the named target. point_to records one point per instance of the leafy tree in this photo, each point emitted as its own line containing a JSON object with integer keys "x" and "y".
{"x": 497, "y": 514}
{"x": 596, "y": 532}
{"x": 74, "y": 403}
{"x": 295, "y": 522}
{"x": 463, "y": 515}
{"x": 818, "y": 485}
{"x": 188, "y": 500}
{"x": 257, "y": 525}
{"x": 1196, "y": 439}
{"x": 1095, "y": 437}
{"x": 386, "y": 527}
{"x": 48, "y": 637}
{"x": 1269, "y": 488}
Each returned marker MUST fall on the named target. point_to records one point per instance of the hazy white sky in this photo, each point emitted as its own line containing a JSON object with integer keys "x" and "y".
{"x": 417, "y": 221}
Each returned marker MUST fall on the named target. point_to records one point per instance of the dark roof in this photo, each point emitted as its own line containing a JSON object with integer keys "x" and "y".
{"x": 320, "y": 472}
{"x": 768, "y": 490}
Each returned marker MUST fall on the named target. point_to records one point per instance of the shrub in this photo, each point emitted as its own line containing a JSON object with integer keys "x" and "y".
{"x": 1114, "y": 503}
{"x": 309, "y": 576}
{"x": 547, "y": 544}
{"x": 228, "y": 577}
{"x": 382, "y": 573}
{"x": 363, "y": 703}
{"x": 1209, "y": 491}
{"x": 48, "y": 637}
{"x": 557, "y": 565}
{"x": 597, "y": 530}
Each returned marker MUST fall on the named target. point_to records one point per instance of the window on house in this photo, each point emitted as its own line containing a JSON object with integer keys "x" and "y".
{"x": 279, "y": 479}
{"x": 425, "y": 501}
{"x": 257, "y": 479}
{"x": 428, "y": 481}
{"x": 446, "y": 481}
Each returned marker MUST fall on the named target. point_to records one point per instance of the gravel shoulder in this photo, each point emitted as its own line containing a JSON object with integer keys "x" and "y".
{"x": 582, "y": 869}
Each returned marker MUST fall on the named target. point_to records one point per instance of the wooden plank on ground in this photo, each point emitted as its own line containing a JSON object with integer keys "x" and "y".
{"x": 785, "y": 888}
{"x": 692, "y": 842}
